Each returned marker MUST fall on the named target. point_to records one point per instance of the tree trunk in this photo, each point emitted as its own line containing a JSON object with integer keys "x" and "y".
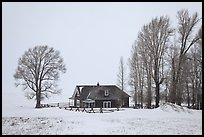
{"x": 135, "y": 97}
{"x": 142, "y": 98}
{"x": 149, "y": 95}
{"x": 156, "y": 80}
{"x": 157, "y": 94}
{"x": 193, "y": 94}
{"x": 172, "y": 93}
{"x": 197, "y": 104}
{"x": 142, "y": 85}
{"x": 38, "y": 98}
{"x": 188, "y": 94}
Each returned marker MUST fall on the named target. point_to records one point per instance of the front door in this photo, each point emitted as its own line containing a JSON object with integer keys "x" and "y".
{"x": 106, "y": 104}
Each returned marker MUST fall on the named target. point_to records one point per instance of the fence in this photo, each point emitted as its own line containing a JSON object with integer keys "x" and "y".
{"x": 60, "y": 105}
{"x": 67, "y": 106}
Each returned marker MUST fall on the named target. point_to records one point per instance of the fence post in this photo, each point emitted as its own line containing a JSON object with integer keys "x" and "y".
{"x": 101, "y": 110}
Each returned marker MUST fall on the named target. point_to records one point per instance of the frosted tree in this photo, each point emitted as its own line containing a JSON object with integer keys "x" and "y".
{"x": 137, "y": 74}
{"x": 121, "y": 76}
{"x": 38, "y": 71}
{"x": 186, "y": 38}
{"x": 146, "y": 58}
{"x": 133, "y": 75}
{"x": 155, "y": 37}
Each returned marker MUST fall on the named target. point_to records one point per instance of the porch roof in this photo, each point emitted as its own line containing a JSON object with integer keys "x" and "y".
{"x": 89, "y": 101}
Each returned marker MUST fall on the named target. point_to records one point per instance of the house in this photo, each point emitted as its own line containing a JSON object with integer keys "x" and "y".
{"x": 99, "y": 96}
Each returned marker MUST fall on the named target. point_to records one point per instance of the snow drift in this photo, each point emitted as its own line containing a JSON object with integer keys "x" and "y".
{"x": 169, "y": 107}
{"x": 21, "y": 118}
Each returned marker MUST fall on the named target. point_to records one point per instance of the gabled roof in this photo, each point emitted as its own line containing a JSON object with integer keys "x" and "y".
{"x": 96, "y": 92}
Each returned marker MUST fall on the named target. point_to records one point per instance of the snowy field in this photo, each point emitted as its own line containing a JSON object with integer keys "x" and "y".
{"x": 20, "y": 117}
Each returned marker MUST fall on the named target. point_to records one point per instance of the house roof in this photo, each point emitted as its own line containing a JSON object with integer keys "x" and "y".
{"x": 96, "y": 92}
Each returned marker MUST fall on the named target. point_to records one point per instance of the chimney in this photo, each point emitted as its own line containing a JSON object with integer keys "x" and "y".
{"x": 97, "y": 83}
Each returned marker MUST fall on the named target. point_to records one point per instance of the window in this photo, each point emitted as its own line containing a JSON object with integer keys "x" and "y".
{"x": 106, "y": 92}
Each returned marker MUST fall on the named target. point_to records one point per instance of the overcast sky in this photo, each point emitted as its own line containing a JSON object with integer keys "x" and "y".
{"x": 91, "y": 37}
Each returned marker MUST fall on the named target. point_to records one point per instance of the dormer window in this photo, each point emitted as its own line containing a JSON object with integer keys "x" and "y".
{"x": 106, "y": 93}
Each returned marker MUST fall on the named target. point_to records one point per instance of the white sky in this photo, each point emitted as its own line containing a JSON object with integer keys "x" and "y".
{"x": 90, "y": 36}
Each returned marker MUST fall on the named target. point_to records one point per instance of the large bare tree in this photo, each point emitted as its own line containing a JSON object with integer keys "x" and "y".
{"x": 38, "y": 70}
{"x": 134, "y": 71}
{"x": 147, "y": 65}
{"x": 187, "y": 38}
{"x": 138, "y": 66}
{"x": 155, "y": 37}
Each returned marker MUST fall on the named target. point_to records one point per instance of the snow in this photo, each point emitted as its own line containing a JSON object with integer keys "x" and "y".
{"x": 20, "y": 117}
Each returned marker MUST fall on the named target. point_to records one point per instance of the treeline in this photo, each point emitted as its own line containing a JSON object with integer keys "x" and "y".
{"x": 166, "y": 63}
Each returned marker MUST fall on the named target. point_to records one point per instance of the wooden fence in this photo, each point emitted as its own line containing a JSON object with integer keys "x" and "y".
{"x": 67, "y": 106}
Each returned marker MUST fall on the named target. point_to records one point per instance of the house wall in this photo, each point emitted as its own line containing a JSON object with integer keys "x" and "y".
{"x": 99, "y": 103}
{"x": 114, "y": 103}
{"x": 126, "y": 102}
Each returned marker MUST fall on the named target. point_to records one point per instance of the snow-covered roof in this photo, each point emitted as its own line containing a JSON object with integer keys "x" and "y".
{"x": 89, "y": 101}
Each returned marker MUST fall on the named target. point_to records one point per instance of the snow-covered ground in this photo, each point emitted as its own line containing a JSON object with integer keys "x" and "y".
{"x": 20, "y": 117}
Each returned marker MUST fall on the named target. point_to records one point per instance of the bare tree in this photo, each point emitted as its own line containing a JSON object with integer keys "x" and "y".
{"x": 141, "y": 73}
{"x": 187, "y": 39}
{"x": 133, "y": 75}
{"x": 122, "y": 74}
{"x": 147, "y": 65}
{"x": 38, "y": 70}
{"x": 155, "y": 37}
{"x": 137, "y": 74}
{"x": 173, "y": 58}
{"x": 196, "y": 78}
